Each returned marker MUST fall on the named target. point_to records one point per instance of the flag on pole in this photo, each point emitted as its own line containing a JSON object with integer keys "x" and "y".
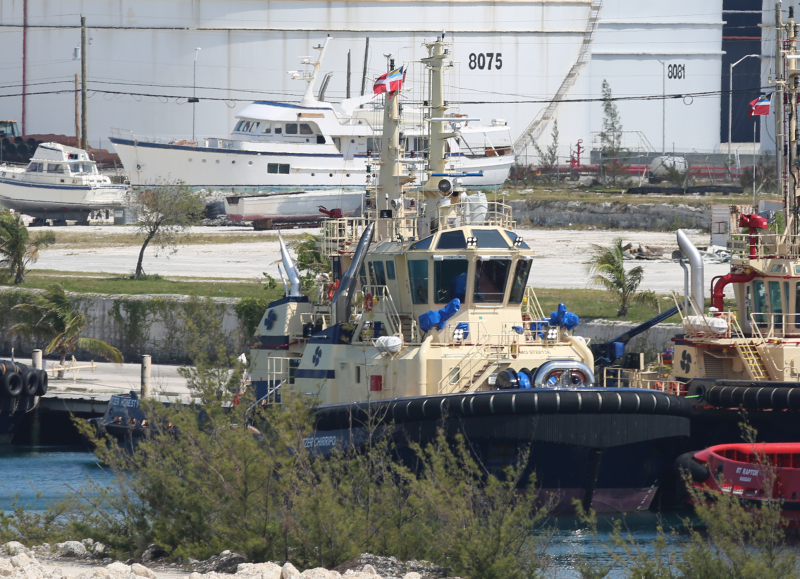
{"x": 391, "y": 81}
{"x": 760, "y": 106}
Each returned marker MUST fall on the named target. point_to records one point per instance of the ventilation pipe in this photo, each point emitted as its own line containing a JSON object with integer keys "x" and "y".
{"x": 696, "y": 265}
{"x": 340, "y": 304}
{"x": 291, "y": 270}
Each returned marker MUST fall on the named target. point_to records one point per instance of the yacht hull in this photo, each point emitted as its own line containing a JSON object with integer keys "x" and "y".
{"x": 62, "y": 202}
{"x": 297, "y": 207}
{"x": 243, "y": 171}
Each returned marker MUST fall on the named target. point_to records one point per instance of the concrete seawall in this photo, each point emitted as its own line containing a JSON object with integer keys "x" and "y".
{"x": 655, "y": 340}
{"x": 138, "y": 324}
{"x": 613, "y": 214}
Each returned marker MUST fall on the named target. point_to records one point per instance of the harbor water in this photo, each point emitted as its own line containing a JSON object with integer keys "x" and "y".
{"x": 34, "y": 477}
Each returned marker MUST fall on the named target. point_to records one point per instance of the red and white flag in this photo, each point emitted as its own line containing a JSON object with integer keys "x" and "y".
{"x": 391, "y": 82}
{"x": 760, "y": 106}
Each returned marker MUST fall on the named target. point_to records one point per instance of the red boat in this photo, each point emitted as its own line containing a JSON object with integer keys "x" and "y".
{"x": 753, "y": 472}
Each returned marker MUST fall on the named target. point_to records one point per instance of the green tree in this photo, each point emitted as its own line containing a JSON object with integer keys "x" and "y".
{"x": 611, "y": 135}
{"x": 17, "y": 248}
{"x": 165, "y": 210}
{"x": 310, "y": 260}
{"x": 52, "y": 317}
{"x": 607, "y": 268}
{"x": 549, "y": 157}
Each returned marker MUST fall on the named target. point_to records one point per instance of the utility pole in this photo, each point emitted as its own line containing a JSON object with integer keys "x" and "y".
{"x": 364, "y": 73}
{"x": 84, "y": 129}
{"x": 77, "y": 113}
{"x": 194, "y": 100}
{"x": 347, "y": 94}
{"x": 663, "y": 106}
{"x": 778, "y": 98}
{"x": 730, "y": 97}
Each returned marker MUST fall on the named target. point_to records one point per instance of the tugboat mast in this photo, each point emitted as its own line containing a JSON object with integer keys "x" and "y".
{"x": 787, "y": 81}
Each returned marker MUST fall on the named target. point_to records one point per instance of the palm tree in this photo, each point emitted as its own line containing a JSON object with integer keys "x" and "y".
{"x": 17, "y": 249}
{"x": 52, "y": 317}
{"x": 608, "y": 272}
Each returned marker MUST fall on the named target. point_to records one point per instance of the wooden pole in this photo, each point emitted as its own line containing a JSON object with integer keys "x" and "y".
{"x": 77, "y": 113}
{"x": 84, "y": 129}
{"x": 364, "y": 73}
{"x": 348, "y": 75}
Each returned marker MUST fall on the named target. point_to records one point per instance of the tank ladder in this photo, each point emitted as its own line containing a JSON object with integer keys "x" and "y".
{"x": 539, "y": 123}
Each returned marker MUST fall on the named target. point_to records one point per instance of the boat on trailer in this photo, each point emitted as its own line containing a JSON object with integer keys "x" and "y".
{"x": 60, "y": 183}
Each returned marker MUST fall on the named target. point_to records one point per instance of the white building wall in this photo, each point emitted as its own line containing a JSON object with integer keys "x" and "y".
{"x": 148, "y": 47}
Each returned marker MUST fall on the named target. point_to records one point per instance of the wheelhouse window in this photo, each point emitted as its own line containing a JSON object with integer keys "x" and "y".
{"x": 797, "y": 304}
{"x": 291, "y": 128}
{"x": 450, "y": 280}
{"x": 362, "y": 275}
{"x": 377, "y": 273}
{"x": 759, "y": 301}
{"x": 489, "y": 238}
{"x": 239, "y": 126}
{"x": 521, "y": 273}
{"x": 278, "y": 168}
{"x": 418, "y": 278}
{"x": 305, "y": 129}
{"x": 513, "y": 236}
{"x": 776, "y": 303}
{"x": 55, "y": 168}
{"x": 422, "y": 243}
{"x": 452, "y": 240}
{"x": 267, "y": 130}
{"x": 35, "y": 168}
{"x": 490, "y": 280}
{"x": 390, "y": 270}
{"x": 278, "y": 129}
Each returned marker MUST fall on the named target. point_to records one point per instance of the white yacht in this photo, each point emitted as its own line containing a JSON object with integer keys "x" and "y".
{"x": 60, "y": 183}
{"x": 310, "y": 145}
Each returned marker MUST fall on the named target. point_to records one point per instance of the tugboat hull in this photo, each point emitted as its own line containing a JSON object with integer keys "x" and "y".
{"x": 611, "y": 459}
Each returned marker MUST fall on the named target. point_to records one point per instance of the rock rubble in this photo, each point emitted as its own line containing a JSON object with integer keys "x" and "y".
{"x": 20, "y": 562}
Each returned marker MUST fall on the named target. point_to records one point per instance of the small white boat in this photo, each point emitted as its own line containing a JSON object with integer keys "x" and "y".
{"x": 294, "y": 207}
{"x": 59, "y": 183}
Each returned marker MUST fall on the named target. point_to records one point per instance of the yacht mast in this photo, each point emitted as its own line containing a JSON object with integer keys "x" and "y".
{"x": 310, "y": 76}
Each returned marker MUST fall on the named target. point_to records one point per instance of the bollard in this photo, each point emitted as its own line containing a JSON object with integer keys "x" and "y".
{"x": 36, "y": 359}
{"x": 146, "y": 390}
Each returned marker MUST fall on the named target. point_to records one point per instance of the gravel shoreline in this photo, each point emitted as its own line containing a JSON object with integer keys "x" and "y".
{"x": 87, "y": 560}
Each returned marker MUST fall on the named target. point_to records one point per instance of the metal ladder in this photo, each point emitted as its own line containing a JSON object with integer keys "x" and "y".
{"x": 539, "y": 123}
{"x": 752, "y": 359}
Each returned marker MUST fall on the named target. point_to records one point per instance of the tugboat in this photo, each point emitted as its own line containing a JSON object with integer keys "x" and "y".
{"x": 427, "y": 322}
{"x": 753, "y": 472}
{"x": 20, "y": 388}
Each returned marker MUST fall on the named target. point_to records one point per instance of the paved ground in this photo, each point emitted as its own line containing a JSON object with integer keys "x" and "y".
{"x": 561, "y": 257}
{"x": 109, "y": 379}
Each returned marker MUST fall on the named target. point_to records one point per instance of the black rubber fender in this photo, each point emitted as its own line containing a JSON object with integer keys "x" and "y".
{"x": 11, "y": 384}
{"x": 758, "y": 396}
{"x": 30, "y": 383}
{"x": 687, "y": 463}
{"x": 43, "y": 380}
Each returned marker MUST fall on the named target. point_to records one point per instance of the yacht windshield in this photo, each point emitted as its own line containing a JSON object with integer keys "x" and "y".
{"x": 87, "y": 168}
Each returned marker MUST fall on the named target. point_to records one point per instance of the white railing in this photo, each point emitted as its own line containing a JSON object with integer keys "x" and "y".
{"x": 489, "y": 213}
{"x": 766, "y": 244}
{"x": 381, "y": 302}
{"x": 462, "y": 375}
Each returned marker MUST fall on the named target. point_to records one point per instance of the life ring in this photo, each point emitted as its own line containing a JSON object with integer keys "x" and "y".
{"x": 675, "y": 388}
{"x": 332, "y": 290}
{"x": 30, "y": 381}
{"x": 514, "y": 350}
{"x": 11, "y": 384}
{"x": 236, "y": 399}
{"x": 368, "y": 302}
{"x": 659, "y": 386}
